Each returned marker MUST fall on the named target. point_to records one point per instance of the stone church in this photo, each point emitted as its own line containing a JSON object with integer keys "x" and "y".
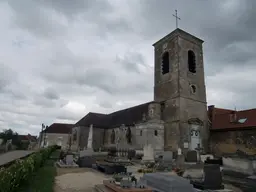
{"x": 177, "y": 118}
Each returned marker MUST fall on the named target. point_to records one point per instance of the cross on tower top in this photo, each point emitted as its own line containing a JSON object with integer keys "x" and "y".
{"x": 176, "y": 17}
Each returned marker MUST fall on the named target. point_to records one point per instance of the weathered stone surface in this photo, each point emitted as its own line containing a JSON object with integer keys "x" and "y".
{"x": 167, "y": 183}
{"x": 191, "y": 156}
{"x": 174, "y": 88}
{"x": 148, "y": 153}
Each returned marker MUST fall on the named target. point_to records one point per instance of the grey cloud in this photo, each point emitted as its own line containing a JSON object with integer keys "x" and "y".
{"x": 51, "y": 19}
{"x": 208, "y": 20}
{"x": 48, "y": 103}
{"x": 7, "y": 77}
{"x": 131, "y": 61}
{"x": 30, "y": 16}
{"x": 68, "y": 116}
{"x": 106, "y": 104}
{"x": 51, "y": 94}
{"x": 75, "y": 7}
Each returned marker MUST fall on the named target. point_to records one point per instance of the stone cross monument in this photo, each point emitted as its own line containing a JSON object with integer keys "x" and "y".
{"x": 90, "y": 136}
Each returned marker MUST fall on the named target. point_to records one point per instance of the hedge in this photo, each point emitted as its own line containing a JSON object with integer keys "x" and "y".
{"x": 20, "y": 172}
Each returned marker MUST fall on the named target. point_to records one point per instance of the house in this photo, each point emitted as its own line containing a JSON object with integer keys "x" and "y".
{"x": 27, "y": 141}
{"x": 231, "y": 130}
{"x": 177, "y": 116}
{"x": 56, "y": 134}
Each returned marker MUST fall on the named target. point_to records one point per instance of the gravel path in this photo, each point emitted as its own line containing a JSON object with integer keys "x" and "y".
{"x": 13, "y": 155}
{"x": 78, "y": 181}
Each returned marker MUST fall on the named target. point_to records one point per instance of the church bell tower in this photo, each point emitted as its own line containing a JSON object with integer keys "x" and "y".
{"x": 179, "y": 86}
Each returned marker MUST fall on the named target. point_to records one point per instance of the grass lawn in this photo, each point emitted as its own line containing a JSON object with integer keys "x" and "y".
{"x": 43, "y": 180}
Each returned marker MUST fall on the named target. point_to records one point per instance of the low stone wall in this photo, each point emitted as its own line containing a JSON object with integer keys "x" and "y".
{"x": 239, "y": 164}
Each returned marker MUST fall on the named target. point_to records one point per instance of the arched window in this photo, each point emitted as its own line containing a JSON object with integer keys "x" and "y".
{"x": 193, "y": 88}
{"x": 156, "y": 133}
{"x": 165, "y": 63}
{"x": 191, "y": 62}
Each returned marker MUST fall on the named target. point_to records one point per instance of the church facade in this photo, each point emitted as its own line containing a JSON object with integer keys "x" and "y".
{"x": 177, "y": 118}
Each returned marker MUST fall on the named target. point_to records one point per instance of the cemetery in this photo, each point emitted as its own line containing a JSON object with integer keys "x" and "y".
{"x": 122, "y": 169}
{"x": 162, "y": 172}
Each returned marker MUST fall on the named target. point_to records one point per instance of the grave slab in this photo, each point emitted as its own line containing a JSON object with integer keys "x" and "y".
{"x": 117, "y": 188}
{"x": 164, "y": 182}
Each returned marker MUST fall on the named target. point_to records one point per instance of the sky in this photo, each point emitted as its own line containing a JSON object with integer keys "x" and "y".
{"x": 61, "y": 59}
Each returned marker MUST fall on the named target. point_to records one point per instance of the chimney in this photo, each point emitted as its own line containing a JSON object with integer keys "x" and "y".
{"x": 233, "y": 117}
{"x": 211, "y": 112}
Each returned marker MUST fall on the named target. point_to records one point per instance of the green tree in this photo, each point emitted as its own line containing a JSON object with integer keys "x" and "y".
{"x": 8, "y": 134}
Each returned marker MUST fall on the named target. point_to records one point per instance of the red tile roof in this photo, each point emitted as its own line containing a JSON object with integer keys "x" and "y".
{"x": 27, "y": 138}
{"x": 62, "y": 128}
{"x": 222, "y": 118}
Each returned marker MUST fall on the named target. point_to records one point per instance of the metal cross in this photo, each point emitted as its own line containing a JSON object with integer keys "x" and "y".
{"x": 177, "y": 18}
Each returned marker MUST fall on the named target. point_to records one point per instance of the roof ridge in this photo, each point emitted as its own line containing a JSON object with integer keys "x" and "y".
{"x": 130, "y": 107}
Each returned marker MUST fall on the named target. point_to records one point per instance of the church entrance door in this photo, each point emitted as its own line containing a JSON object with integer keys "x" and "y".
{"x": 194, "y": 136}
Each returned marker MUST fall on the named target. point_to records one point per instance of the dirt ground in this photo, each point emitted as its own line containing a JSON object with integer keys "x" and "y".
{"x": 77, "y": 179}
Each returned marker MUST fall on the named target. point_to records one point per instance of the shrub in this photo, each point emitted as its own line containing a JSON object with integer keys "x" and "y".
{"x": 18, "y": 173}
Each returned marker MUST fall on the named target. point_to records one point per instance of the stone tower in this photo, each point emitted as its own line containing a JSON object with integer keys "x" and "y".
{"x": 180, "y": 89}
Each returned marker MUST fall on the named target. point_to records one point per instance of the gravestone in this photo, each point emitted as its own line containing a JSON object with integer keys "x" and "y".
{"x": 191, "y": 156}
{"x": 166, "y": 161}
{"x": 148, "y": 154}
{"x": 212, "y": 178}
{"x": 69, "y": 160}
{"x": 165, "y": 182}
{"x": 167, "y": 156}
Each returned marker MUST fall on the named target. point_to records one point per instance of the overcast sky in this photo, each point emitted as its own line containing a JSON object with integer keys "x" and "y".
{"x": 60, "y": 59}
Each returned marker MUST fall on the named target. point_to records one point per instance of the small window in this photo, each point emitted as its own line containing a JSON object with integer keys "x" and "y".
{"x": 193, "y": 89}
{"x": 165, "y": 63}
{"x": 191, "y": 62}
{"x": 156, "y": 133}
{"x": 162, "y": 110}
{"x": 140, "y": 132}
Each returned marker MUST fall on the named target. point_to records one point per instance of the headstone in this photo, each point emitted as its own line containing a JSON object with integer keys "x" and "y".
{"x": 69, "y": 159}
{"x": 167, "y": 156}
{"x": 199, "y": 149}
{"x": 148, "y": 153}
{"x": 166, "y": 182}
{"x": 179, "y": 151}
{"x": 166, "y": 161}
{"x": 212, "y": 178}
{"x": 191, "y": 156}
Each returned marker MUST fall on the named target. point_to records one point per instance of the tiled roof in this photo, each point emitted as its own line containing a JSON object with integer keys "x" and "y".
{"x": 27, "y": 138}
{"x": 231, "y": 119}
{"x": 61, "y": 128}
{"x": 127, "y": 116}
{"x": 97, "y": 119}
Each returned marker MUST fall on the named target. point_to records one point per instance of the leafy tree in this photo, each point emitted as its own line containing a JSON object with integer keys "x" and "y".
{"x": 8, "y": 134}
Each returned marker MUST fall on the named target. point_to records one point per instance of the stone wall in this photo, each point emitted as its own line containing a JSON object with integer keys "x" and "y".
{"x": 53, "y": 138}
{"x": 150, "y": 132}
{"x": 120, "y": 137}
{"x": 98, "y": 137}
{"x": 230, "y": 141}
